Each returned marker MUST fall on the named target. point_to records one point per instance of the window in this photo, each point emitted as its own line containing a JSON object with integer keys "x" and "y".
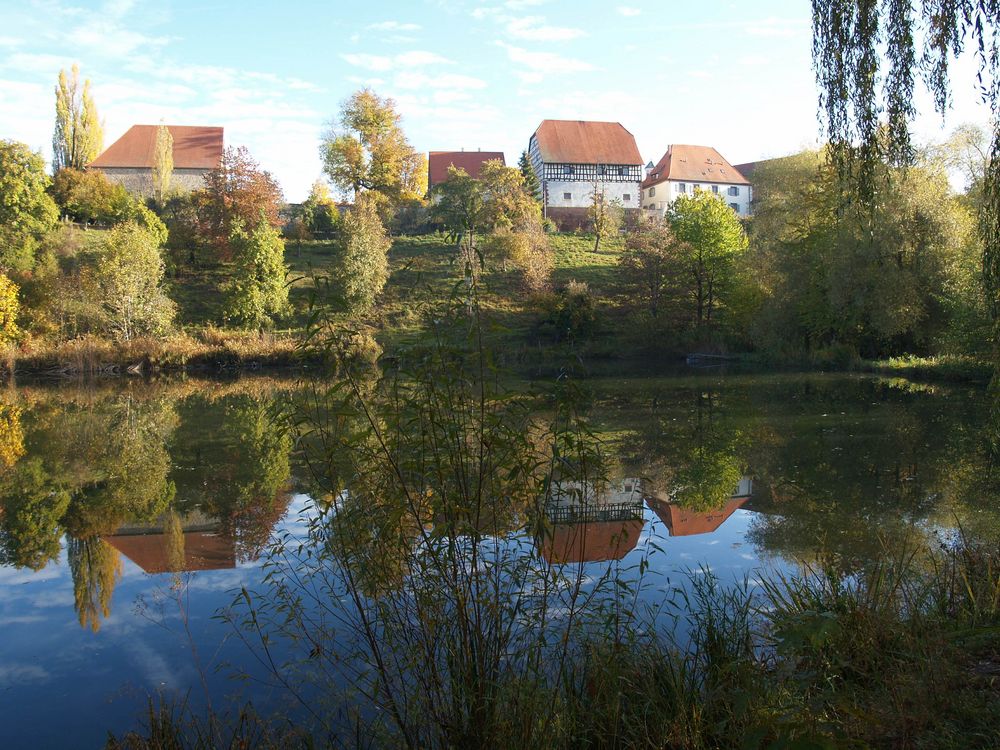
{"x": 627, "y": 197}
{"x": 682, "y": 187}
{"x": 735, "y": 207}
{"x": 621, "y": 170}
{"x": 567, "y": 196}
{"x": 567, "y": 169}
{"x": 734, "y": 190}
{"x": 652, "y": 192}
{"x": 715, "y": 188}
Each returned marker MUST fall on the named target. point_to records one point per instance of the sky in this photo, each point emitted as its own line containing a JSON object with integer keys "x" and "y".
{"x": 464, "y": 73}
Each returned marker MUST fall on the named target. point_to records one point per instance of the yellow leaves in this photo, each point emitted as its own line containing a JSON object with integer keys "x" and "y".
{"x": 11, "y": 435}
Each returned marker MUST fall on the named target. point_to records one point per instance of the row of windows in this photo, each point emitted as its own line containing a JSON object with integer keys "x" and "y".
{"x": 626, "y": 197}
{"x": 682, "y": 188}
{"x": 734, "y": 206}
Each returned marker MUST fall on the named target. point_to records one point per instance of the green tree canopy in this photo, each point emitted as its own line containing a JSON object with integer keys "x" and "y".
{"x": 361, "y": 266}
{"x": 79, "y": 135}
{"x": 605, "y": 216}
{"x": 257, "y": 292}
{"x": 714, "y": 239}
{"x": 531, "y": 183}
{"x": 27, "y": 212}
{"x": 129, "y": 277}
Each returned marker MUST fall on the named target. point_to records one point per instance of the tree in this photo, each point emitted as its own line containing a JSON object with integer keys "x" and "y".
{"x": 531, "y": 183}
{"x": 898, "y": 277}
{"x": 129, "y": 278}
{"x": 89, "y": 196}
{"x": 366, "y": 149}
{"x": 238, "y": 190}
{"x": 459, "y": 205}
{"x": 163, "y": 162}
{"x": 714, "y": 238}
{"x": 362, "y": 263}
{"x": 257, "y": 292}
{"x": 651, "y": 265}
{"x": 868, "y": 128}
{"x": 79, "y": 135}
{"x": 319, "y": 211}
{"x": 413, "y": 179}
{"x": 27, "y": 212}
{"x": 9, "y": 309}
{"x": 605, "y": 216}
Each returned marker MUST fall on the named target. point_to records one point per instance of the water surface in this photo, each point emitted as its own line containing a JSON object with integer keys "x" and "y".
{"x": 131, "y": 512}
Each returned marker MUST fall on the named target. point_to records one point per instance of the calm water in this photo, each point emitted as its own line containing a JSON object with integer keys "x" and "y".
{"x": 130, "y": 513}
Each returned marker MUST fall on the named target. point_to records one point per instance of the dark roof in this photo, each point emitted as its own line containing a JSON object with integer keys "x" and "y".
{"x": 471, "y": 161}
{"x": 746, "y": 169}
{"x": 694, "y": 164}
{"x": 586, "y": 142}
{"x": 195, "y": 147}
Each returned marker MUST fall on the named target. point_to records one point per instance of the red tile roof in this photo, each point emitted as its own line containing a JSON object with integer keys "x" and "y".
{"x": 586, "y": 142}
{"x": 694, "y": 164}
{"x": 195, "y": 147}
{"x": 202, "y": 551}
{"x": 594, "y": 541}
{"x": 682, "y": 522}
{"x": 471, "y": 161}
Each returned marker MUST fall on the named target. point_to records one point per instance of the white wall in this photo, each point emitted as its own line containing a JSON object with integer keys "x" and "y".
{"x": 667, "y": 192}
{"x": 582, "y": 193}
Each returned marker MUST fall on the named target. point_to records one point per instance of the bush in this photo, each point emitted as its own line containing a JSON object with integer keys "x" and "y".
{"x": 572, "y": 312}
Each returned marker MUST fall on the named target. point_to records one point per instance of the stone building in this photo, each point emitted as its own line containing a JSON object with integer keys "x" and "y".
{"x": 129, "y": 160}
{"x": 684, "y": 169}
{"x": 573, "y": 158}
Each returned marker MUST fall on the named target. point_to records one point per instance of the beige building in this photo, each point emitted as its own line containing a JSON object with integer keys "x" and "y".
{"x": 683, "y": 169}
{"x": 129, "y": 160}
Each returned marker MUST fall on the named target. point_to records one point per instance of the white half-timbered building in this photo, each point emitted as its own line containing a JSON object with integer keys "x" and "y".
{"x": 684, "y": 169}
{"x": 572, "y": 157}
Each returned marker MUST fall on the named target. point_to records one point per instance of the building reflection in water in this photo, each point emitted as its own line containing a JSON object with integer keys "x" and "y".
{"x": 588, "y": 524}
{"x": 176, "y": 543}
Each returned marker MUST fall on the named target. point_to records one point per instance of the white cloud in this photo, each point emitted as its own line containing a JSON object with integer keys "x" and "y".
{"x": 394, "y": 26}
{"x": 534, "y": 29}
{"x": 627, "y": 11}
{"x": 10, "y": 41}
{"x": 777, "y": 27}
{"x": 381, "y": 63}
{"x": 418, "y": 57}
{"x": 545, "y": 62}
{"x": 369, "y": 62}
{"x": 417, "y": 80}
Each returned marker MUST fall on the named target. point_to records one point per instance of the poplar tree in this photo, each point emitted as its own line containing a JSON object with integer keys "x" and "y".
{"x": 163, "y": 162}
{"x": 79, "y": 134}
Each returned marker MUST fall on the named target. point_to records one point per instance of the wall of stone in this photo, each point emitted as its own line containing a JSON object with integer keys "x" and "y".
{"x": 139, "y": 180}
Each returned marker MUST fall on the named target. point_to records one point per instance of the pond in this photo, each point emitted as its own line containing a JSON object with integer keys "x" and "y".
{"x": 132, "y": 513}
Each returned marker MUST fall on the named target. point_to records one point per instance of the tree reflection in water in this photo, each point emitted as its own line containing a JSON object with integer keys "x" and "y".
{"x": 103, "y": 469}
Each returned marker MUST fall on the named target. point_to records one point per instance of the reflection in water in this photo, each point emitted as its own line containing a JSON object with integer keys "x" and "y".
{"x": 589, "y": 523}
{"x": 176, "y": 544}
{"x": 598, "y": 524}
{"x": 111, "y": 474}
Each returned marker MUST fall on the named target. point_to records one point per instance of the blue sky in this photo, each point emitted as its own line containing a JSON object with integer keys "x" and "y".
{"x": 465, "y": 74}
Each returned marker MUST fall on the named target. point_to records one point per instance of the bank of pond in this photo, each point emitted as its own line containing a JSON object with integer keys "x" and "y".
{"x": 702, "y": 560}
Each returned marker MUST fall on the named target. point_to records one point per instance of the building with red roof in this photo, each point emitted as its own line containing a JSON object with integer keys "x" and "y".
{"x": 129, "y": 161}
{"x": 573, "y": 158}
{"x": 683, "y": 169}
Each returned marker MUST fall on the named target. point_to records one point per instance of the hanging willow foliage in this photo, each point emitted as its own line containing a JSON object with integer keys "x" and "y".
{"x": 868, "y": 55}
